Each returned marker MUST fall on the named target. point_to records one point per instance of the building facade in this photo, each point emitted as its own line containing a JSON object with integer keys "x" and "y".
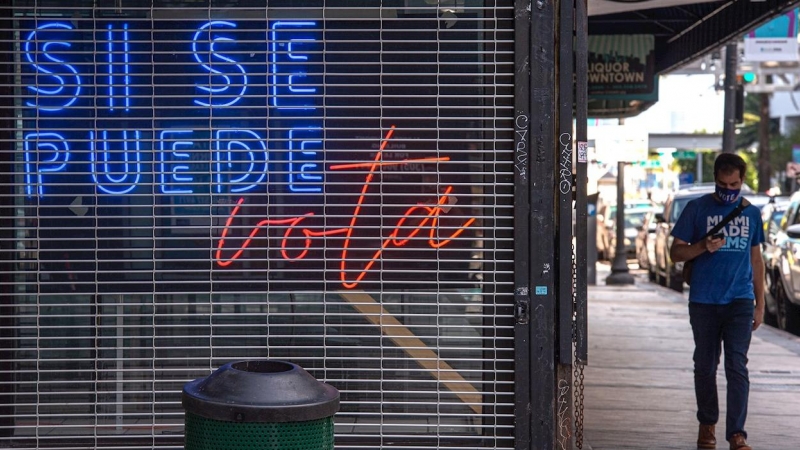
{"x": 186, "y": 184}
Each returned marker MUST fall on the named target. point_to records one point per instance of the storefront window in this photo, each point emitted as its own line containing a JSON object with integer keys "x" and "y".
{"x": 200, "y": 183}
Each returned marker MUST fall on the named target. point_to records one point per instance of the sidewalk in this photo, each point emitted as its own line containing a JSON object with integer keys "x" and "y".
{"x": 639, "y": 383}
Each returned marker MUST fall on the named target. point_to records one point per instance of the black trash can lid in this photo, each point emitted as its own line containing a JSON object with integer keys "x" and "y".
{"x": 260, "y": 391}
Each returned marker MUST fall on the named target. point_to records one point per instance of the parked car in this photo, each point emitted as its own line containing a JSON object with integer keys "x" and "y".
{"x": 760, "y": 201}
{"x": 634, "y": 219}
{"x": 646, "y": 243}
{"x": 772, "y": 215}
{"x": 668, "y": 273}
{"x": 782, "y": 258}
{"x": 606, "y": 215}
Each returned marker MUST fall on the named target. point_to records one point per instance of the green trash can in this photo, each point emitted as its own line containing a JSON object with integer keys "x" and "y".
{"x": 262, "y": 404}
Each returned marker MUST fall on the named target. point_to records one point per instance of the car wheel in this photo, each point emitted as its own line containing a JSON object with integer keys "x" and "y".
{"x": 788, "y": 312}
{"x": 770, "y": 318}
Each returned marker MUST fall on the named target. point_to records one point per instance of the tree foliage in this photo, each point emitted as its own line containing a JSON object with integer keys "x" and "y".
{"x": 690, "y": 166}
{"x": 782, "y": 148}
{"x": 747, "y": 146}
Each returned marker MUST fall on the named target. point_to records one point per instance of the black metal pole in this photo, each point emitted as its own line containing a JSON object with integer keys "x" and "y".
{"x": 582, "y": 179}
{"x": 565, "y": 180}
{"x": 729, "y": 127}
{"x": 619, "y": 268}
{"x": 564, "y": 156}
{"x": 522, "y": 230}
{"x": 542, "y": 246}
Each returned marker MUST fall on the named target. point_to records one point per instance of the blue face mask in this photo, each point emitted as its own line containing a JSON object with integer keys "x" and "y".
{"x": 727, "y": 196}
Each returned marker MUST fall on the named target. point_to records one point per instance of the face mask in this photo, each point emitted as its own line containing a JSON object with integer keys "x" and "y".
{"x": 727, "y": 196}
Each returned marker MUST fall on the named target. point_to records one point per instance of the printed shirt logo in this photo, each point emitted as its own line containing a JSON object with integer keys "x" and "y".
{"x": 737, "y": 232}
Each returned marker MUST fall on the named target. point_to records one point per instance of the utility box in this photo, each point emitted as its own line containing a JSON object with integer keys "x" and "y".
{"x": 264, "y": 404}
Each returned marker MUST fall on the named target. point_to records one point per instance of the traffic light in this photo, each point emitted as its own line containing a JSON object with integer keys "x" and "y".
{"x": 742, "y": 80}
{"x": 746, "y": 78}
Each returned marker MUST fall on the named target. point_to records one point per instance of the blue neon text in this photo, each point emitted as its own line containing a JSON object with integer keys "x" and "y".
{"x": 217, "y": 96}
{"x": 51, "y": 99}
{"x": 129, "y": 166}
{"x": 186, "y": 140}
{"x": 305, "y": 172}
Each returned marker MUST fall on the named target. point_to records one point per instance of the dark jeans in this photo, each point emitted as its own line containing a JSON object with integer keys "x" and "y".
{"x": 712, "y": 325}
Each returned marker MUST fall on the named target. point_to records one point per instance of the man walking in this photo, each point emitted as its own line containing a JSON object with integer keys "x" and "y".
{"x": 726, "y": 297}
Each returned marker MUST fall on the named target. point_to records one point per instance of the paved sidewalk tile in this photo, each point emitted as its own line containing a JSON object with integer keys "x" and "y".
{"x": 639, "y": 384}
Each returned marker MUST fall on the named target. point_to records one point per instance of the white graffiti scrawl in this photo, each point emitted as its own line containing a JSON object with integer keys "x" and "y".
{"x": 565, "y": 163}
{"x": 521, "y": 154}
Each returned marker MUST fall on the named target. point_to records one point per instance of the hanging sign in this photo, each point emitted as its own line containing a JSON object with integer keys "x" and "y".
{"x": 622, "y": 67}
{"x": 774, "y": 41}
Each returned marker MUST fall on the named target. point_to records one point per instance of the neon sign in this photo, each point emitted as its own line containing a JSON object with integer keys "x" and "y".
{"x": 102, "y": 173}
{"x": 38, "y": 143}
{"x": 213, "y": 84}
{"x": 34, "y": 49}
{"x": 302, "y": 160}
{"x": 212, "y": 53}
{"x": 282, "y": 81}
{"x": 226, "y": 120}
{"x": 125, "y": 67}
{"x": 414, "y": 221}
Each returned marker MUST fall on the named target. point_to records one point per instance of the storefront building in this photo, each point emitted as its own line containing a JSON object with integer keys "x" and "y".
{"x": 188, "y": 184}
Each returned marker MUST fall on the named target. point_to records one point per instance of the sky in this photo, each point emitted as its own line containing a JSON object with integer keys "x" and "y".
{"x": 686, "y": 104}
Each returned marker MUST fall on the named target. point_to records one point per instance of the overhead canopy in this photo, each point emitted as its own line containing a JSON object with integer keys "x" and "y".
{"x": 683, "y": 30}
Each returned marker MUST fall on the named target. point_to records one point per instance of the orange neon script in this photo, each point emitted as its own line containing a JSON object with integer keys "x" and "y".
{"x": 428, "y": 216}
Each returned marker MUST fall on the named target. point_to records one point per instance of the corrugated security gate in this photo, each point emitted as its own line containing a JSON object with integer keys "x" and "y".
{"x": 190, "y": 184}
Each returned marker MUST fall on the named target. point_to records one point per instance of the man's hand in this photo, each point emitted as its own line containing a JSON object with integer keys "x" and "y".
{"x": 758, "y": 316}
{"x": 712, "y": 244}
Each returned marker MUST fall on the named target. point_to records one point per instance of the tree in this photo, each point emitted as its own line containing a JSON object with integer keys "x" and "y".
{"x": 690, "y": 166}
{"x": 750, "y": 133}
{"x": 782, "y": 153}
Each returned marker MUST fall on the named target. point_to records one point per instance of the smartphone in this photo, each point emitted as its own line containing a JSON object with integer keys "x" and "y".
{"x": 718, "y": 236}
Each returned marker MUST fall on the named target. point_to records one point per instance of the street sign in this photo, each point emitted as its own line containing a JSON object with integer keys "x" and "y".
{"x": 650, "y": 164}
{"x": 684, "y": 154}
{"x": 686, "y": 178}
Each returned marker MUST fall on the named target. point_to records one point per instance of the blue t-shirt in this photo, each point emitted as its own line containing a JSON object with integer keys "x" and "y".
{"x": 727, "y": 274}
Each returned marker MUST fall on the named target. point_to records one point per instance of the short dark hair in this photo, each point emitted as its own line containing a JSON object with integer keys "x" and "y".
{"x": 729, "y": 162}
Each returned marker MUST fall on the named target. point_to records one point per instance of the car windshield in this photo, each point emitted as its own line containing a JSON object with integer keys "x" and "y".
{"x": 612, "y": 209}
{"x": 677, "y": 208}
{"x": 777, "y": 216}
{"x": 635, "y": 220}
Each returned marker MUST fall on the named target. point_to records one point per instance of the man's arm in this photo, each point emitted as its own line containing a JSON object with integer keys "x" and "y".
{"x": 758, "y": 284}
{"x": 683, "y": 251}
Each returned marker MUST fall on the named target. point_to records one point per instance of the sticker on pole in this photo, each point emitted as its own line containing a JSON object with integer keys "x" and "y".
{"x": 583, "y": 151}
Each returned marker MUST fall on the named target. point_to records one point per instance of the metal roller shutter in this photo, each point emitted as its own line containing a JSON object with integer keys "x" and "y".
{"x": 191, "y": 183}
